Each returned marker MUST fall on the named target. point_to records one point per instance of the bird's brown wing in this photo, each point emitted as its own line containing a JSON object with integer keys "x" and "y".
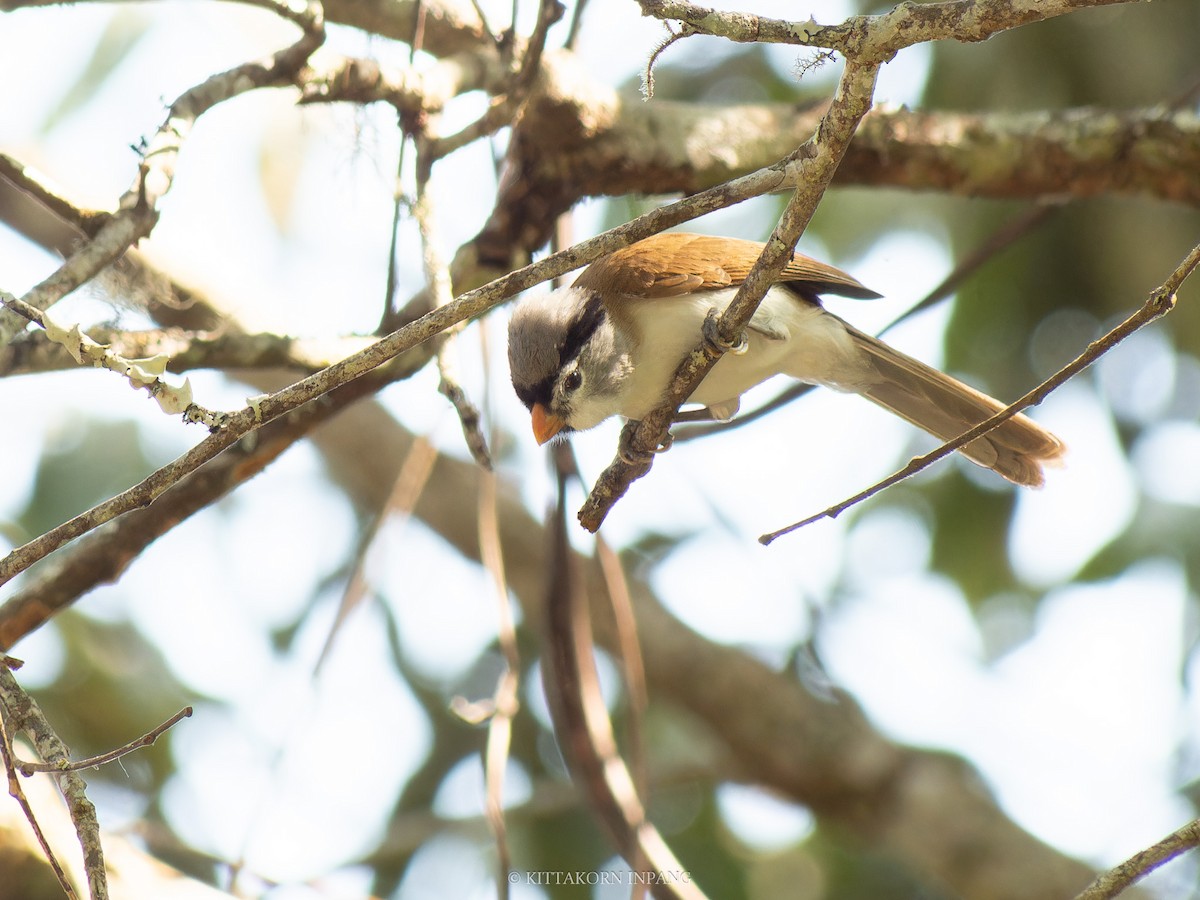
{"x": 670, "y": 264}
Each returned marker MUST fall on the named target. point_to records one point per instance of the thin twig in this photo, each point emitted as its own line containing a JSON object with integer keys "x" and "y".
{"x": 1160, "y": 302}
{"x": 399, "y": 203}
{"x": 483, "y": 21}
{"x": 634, "y": 670}
{"x": 420, "y": 16}
{"x": 401, "y": 501}
{"x": 505, "y": 703}
{"x": 505, "y": 698}
{"x": 18, "y": 793}
{"x": 140, "y": 373}
{"x": 504, "y": 109}
{"x": 437, "y": 274}
{"x": 92, "y": 762}
{"x": 996, "y": 242}
{"x": 549, "y": 12}
{"x": 473, "y": 303}
{"x": 576, "y": 24}
{"x": 659, "y": 49}
{"x": 628, "y": 647}
{"x": 1113, "y": 882}
{"x": 137, "y": 211}
{"x": 880, "y": 36}
{"x": 581, "y": 721}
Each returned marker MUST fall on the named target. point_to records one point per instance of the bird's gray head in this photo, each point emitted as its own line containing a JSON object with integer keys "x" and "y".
{"x": 566, "y": 358}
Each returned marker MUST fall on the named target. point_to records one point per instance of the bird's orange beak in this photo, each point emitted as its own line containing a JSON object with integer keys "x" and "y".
{"x": 545, "y": 423}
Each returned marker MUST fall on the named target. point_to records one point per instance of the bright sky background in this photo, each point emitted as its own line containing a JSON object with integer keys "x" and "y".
{"x": 254, "y": 777}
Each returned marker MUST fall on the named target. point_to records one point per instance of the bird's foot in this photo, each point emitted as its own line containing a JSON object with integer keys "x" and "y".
{"x": 716, "y": 344}
{"x": 635, "y": 456}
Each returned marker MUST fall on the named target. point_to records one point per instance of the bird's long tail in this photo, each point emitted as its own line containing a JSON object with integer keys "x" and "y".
{"x": 946, "y": 408}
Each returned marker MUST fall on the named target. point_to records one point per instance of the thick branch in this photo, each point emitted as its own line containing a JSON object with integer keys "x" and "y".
{"x": 1082, "y": 152}
{"x": 228, "y": 350}
{"x": 473, "y": 303}
{"x": 578, "y": 138}
{"x": 26, "y": 716}
{"x": 925, "y": 809}
{"x": 109, "y": 550}
{"x": 447, "y": 26}
{"x": 903, "y": 26}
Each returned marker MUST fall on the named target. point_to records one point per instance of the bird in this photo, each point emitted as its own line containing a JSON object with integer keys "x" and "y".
{"x": 608, "y": 345}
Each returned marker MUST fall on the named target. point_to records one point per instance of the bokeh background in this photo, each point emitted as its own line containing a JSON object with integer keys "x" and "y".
{"x": 1047, "y": 637}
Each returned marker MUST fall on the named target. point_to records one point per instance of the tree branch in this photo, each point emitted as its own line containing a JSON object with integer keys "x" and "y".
{"x": 903, "y": 26}
{"x": 137, "y": 210}
{"x": 470, "y": 304}
{"x": 1160, "y": 302}
{"x": 106, "y": 553}
{"x": 923, "y": 808}
{"x": 8, "y": 758}
{"x": 35, "y": 353}
{"x": 144, "y": 373}
{"x": 814, "y": 163}
{"x": 581, "y": 720}
{"x": 146, "y": 740}
{"x": 25, "y": 716}
{"x": 1113, "y": 882}
{"x": 448, "y": 26}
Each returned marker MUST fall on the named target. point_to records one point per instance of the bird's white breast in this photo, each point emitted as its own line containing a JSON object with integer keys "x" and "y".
{"x": 787, "y": 335}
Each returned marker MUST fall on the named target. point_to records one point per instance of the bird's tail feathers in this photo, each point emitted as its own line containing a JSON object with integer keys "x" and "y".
{"x": 945, "y": 407}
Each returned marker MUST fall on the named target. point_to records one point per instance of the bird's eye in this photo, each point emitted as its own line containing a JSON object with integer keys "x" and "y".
{"x": 572, "y": 382}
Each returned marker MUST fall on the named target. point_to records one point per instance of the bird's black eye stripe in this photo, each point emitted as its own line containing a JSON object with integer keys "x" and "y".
{"x": 536, "y": 393}
{"x": 581, "y": 329}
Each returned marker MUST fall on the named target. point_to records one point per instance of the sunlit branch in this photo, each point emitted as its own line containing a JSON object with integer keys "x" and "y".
{"x": 137, "y": 210}
{"x": 25, "y": 716}
{"x": 1113, "y": 882}
{"x": 92, "y": 762}
{"x": 1160, "y": 302}
{"x": 815, "y": 162}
